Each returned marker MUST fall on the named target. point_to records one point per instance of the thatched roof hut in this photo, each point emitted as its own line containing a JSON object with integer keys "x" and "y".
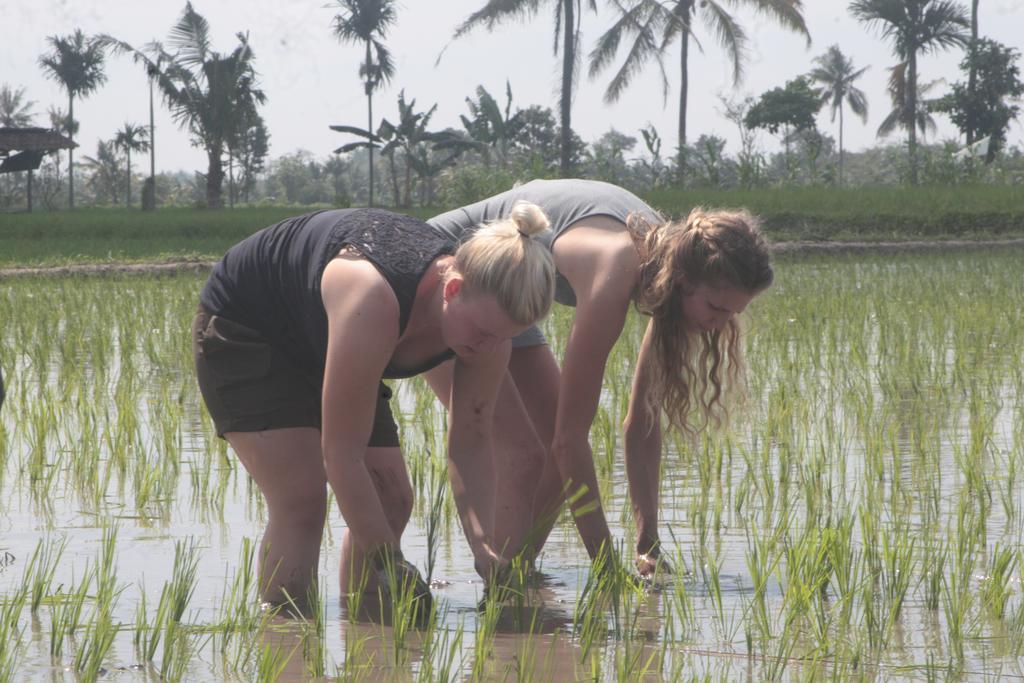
{"x": 22, "y": 149}
{"x": 32, "y": 140}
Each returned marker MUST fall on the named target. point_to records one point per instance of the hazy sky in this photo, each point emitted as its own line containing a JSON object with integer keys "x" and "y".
{"x": 311, "y": 80}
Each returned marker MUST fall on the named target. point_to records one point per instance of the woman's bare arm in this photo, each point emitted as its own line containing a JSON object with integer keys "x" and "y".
{"x": 601, "y": 267}
{"x": 643, "y": 457}
{"x": 475, "y": 384}
{"x": 362, "y": 316}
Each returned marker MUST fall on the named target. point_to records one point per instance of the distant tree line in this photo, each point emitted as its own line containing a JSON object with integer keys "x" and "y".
{"x": 398, "y": 159}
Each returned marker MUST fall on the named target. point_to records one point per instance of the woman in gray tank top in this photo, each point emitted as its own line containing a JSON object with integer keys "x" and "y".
{"x": 612, "y": 250}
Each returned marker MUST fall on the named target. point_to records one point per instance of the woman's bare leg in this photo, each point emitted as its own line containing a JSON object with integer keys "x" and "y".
{"x": 391, "y": 479}
{"x": 536, "y": 375}
{"x": 287, "y": 465}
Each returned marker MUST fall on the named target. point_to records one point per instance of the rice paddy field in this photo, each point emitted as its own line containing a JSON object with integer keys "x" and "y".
{"x": 861, "y": 518}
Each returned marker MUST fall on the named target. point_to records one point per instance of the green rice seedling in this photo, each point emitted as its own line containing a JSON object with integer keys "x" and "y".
{"x": 357, "y": 665}
{"x": 38, "y": 576}
{"x": 932, "y": 573}
{"x": 180, "y": 647}
{"x": 995, "y": 587}
{"x": 239, "y": 605}
{"x": 272, "y": 662}
{"x": 66, "y": 613}
{"x": 438, "y": 479}
{"x": 486, "y": 629}
{"x": 96, "y": 643}
{"x": 762, "y": 562}
{"x": 897, "y": 562}
{"x": 442, "y": 651}
{"x": 11, "y": 607}
{"x": 314, "y": 633}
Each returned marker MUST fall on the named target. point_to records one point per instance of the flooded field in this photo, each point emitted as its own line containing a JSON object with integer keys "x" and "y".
{"x": 860, "y": 518}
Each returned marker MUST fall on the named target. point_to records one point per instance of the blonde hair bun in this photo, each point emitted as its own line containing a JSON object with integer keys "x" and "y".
{"x": 529, "y": 218}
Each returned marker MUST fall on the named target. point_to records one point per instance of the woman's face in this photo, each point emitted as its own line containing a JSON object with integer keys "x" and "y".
{"x": 707, "y": 308}
{"x": 471, "y": 323}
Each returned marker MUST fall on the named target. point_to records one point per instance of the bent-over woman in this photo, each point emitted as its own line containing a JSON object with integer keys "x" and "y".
{"x": 611, "y": 251}
{"x": 297, "y": 326}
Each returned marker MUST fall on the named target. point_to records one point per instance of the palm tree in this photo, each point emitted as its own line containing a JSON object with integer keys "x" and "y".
{"x": 492, "y": 128}
{"x": 567, "y": 22}
{"x": 654, "y": 25}
{"x": 836, "y": 75}
{"x": 131, "y": 138}
{"x": 153, "y": 68}
{"x": 914, "y": 26}
{"x": 367, "y": 22}
{"x": 922, "y": 118}
{"x": 76, "y": 62}
{"x": 105, "y": 180}
{"x": 15, "y": 110}
{"x": 972, "y": 74}
{"x": 205, "y": 90}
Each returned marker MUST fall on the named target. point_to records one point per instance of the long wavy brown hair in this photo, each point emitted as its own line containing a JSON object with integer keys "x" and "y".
{"x": 714, "y": 248}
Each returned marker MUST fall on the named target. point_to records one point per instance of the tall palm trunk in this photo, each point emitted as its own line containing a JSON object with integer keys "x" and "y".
{"x": 684, "y": 8}
{"x": 71, "y": 152}
{"x": 396, "y": 193}
{"x": 214, "y": 177}
{"x": 128, "y": 192}
{"x": 369, "y": 113}
{"x": 911, "y": 114}
{"x": 28, "y": 189}
{"x": 152, "y": 146}
{"x": 842, "y": 157}
{"x": 231, "y": 179}
{"x": 972, "y": 75}
{"x": 568, "y": 66}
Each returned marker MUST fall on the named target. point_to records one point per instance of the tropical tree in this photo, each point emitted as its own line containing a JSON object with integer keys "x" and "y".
{"x": 207, "y": 91}
{"x": 922, "y": 119}
{"x": 250, "y": 147}
{"x": 790, "y": 110}
{"x": 494, "y": 128}
{"x": 153, "y": 69}
{"x": 15, "y": 110}
{"x": 410, "y": 136}
{"x": 984, "y": 108}
{"x": 835, "y": 74}
{"x": 367, "y": 22}
{"x": 651, "y": 26}
{"x": 105, "y": 168}
{"x": 130, "y": 138}
{"x": 567, "y": 23}
{"x": 973, "y": 74}
{"x": 654, "y": 167}
{"x": 76, "y": 62}
{"x": 913, "y": 27}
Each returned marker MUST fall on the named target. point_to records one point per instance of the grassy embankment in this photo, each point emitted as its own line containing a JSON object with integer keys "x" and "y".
{"x": 873, "y": 214}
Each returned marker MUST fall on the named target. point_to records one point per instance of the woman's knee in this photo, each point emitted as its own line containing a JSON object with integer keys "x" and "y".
{"x": 302, "y": 510}
{"x": 397, "y": 501}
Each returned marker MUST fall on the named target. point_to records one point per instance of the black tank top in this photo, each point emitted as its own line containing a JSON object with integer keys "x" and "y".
{"x": 270, "y": 281}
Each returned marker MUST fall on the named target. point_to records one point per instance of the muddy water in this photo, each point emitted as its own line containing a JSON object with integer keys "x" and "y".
{"x": 84, "y": 357}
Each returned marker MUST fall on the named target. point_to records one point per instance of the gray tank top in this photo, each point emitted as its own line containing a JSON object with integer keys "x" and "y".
{"x": 564, "y": 201}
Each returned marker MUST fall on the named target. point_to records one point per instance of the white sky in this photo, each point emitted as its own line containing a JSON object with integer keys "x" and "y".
{"x": 311, "y": 80}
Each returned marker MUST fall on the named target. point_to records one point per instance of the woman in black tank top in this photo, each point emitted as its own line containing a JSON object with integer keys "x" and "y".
{"x": 297, "y": 326}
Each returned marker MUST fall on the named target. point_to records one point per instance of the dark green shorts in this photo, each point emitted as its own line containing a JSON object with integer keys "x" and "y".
{"x": 249, "y": 385}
